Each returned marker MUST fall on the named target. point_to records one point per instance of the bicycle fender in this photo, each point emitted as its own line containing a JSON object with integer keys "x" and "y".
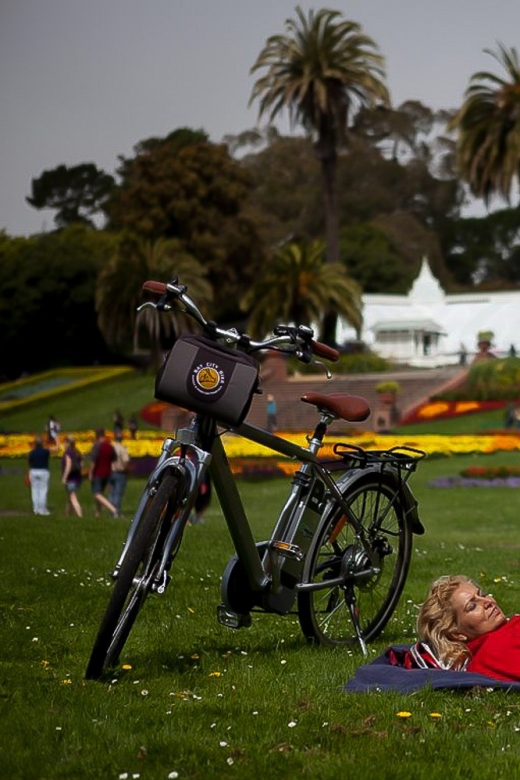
{"x": 408, "y": 500}
{"x": 411, "y": 508}
{"x": 410, "y": 505}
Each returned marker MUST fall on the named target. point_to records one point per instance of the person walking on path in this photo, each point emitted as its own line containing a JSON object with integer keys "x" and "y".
{"x": 119, "y": 476}
{"x": 119, "y": 422}
{"x": 102, "y": 456}
{"x": 132, "y": 426}
{"x": 71, "y": 476}
{"x": 39, "y": 476}
{"x": 53, "y": 429}
{"x": 272, "y": 411}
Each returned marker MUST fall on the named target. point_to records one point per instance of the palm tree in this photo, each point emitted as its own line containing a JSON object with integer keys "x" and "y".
{"x": 321, "y": 71}
{"x": 488, "y": 126}
{"x": 297, "y": 287}
{"x": 119, "y": 292}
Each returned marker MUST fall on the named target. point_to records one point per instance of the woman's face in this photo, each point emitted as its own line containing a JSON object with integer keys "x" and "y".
{"x": 475, "y": 613}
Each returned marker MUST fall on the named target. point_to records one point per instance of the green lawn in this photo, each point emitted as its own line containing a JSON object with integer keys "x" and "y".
{"x": 208, "y": 702}
{"x": 204, "y": 701}
{"x": 87, "y": 408}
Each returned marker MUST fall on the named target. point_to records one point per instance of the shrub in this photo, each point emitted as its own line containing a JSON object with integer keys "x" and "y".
{"x": 488, "y": 380}
{"x": 388, "y": 386}
{"x": 485, "y": 335}
{"x": 348, "y": 363}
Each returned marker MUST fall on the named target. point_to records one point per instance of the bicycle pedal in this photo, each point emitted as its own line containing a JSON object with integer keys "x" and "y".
{"x": 232, "y": 619}
{"x": 287, "y": 550}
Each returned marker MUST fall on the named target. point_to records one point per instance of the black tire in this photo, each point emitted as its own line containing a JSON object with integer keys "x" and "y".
{"x": 135, "y": 577}
{"x": 325, "y": 615}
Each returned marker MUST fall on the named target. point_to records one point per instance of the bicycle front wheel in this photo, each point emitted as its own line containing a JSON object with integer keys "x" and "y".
{"x": 373, "y": 581}
{"x": 135, "y": 576}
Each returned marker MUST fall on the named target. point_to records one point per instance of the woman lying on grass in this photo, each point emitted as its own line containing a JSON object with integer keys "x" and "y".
{"x": 464, "y": 629}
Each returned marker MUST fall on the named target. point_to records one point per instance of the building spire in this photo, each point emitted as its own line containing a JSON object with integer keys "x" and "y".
{"x": 426, "y": 287}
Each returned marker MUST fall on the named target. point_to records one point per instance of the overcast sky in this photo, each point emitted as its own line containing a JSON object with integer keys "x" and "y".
{"x": 86, "y": 80}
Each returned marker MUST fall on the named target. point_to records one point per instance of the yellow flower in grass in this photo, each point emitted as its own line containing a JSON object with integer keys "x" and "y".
{"x": 404, "y": 714}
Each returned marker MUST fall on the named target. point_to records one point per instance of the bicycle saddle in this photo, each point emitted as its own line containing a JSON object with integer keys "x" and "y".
{"x": 352, "y": 408}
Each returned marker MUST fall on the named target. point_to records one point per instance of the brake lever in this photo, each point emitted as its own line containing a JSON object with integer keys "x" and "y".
{"x": 146, "y": 305}
{"x": 324, "y": 366}
{"x": 306, "y": 356}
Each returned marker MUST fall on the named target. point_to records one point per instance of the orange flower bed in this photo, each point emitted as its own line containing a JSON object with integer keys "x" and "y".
{"x": 442, "y": 410}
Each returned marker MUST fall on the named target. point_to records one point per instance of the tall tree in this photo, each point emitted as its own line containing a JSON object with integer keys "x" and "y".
{"x": 371, "y": 258}
{"x": 78, "y": 193}
{"x": 119, "y": 292}
{"x": 322, "y": 70}
{"x": 488, "y": 127}
{"x": 485, "y": 251}
{"x": 298, "y": 286}
{"x": 193, "y": 191}
{"x": 47, "y": 315}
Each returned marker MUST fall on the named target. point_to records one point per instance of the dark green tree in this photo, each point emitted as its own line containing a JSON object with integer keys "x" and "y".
{"x": 485, "y": 251}
{"x": 47, "y": 314}
{"x": 371, "y": 258}
{"x": 322, "y": 70}
{"x": 286, "y": 191}
{"x": 78, "y": 193}
{"x": 193, "y": 192}
{"x": 176, "y": 140}
{"x": 403, "y": 199}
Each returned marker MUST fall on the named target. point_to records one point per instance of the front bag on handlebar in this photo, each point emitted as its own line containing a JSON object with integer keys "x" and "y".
{"x": 203, "y": 376}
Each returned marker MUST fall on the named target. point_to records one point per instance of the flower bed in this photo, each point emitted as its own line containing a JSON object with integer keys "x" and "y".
{"x": 492, "y": 472}
{"x": 443, "y": 410}
{"x": 482, "y": 476}
{"x": 450, "y": 482}
{"x": 150, "y": 442}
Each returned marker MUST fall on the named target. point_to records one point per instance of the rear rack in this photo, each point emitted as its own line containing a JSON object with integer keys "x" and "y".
{"x": 401, "y": 458}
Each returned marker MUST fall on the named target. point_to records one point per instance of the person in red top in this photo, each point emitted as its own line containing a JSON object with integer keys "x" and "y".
{"x": 102, "y": 456}
{"x": 466, "y": 629}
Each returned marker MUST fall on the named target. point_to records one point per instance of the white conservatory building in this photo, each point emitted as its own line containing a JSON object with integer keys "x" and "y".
{"x": 429, "y": 328}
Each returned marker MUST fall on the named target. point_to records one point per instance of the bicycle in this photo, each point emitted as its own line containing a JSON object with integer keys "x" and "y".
{"x": 339, "y": 552}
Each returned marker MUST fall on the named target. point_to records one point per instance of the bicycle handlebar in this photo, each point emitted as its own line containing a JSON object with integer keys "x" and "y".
{"x": 298, "y": 338}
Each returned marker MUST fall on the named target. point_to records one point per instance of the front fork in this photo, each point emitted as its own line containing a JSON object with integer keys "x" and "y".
{"x": 192, "y": 468}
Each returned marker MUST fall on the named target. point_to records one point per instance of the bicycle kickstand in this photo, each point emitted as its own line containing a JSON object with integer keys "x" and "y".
{"x": 354, "y": 614}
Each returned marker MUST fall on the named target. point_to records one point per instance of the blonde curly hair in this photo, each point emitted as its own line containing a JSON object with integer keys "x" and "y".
{"x": 436, "y": 621}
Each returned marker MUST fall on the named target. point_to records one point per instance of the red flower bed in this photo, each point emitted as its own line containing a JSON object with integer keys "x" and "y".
{"x": 442, "y": 410}
{"x": 152, "y": 413}
{"x": 493, "y": 472}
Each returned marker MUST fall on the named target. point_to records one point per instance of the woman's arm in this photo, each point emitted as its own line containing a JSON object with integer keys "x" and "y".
{"x": 66, "y": 470}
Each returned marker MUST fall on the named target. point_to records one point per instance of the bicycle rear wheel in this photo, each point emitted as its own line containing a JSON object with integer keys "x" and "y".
{"x": 135, "y": 576}
{"x": 325, "y": 615}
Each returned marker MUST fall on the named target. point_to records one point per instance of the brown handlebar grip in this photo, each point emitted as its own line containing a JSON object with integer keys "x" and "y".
{"x": 158, "y": 288}
{"x": 324, "y": 351}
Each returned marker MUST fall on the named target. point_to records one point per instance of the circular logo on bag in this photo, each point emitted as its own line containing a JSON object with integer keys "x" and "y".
{"x": 208, "y": 379}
